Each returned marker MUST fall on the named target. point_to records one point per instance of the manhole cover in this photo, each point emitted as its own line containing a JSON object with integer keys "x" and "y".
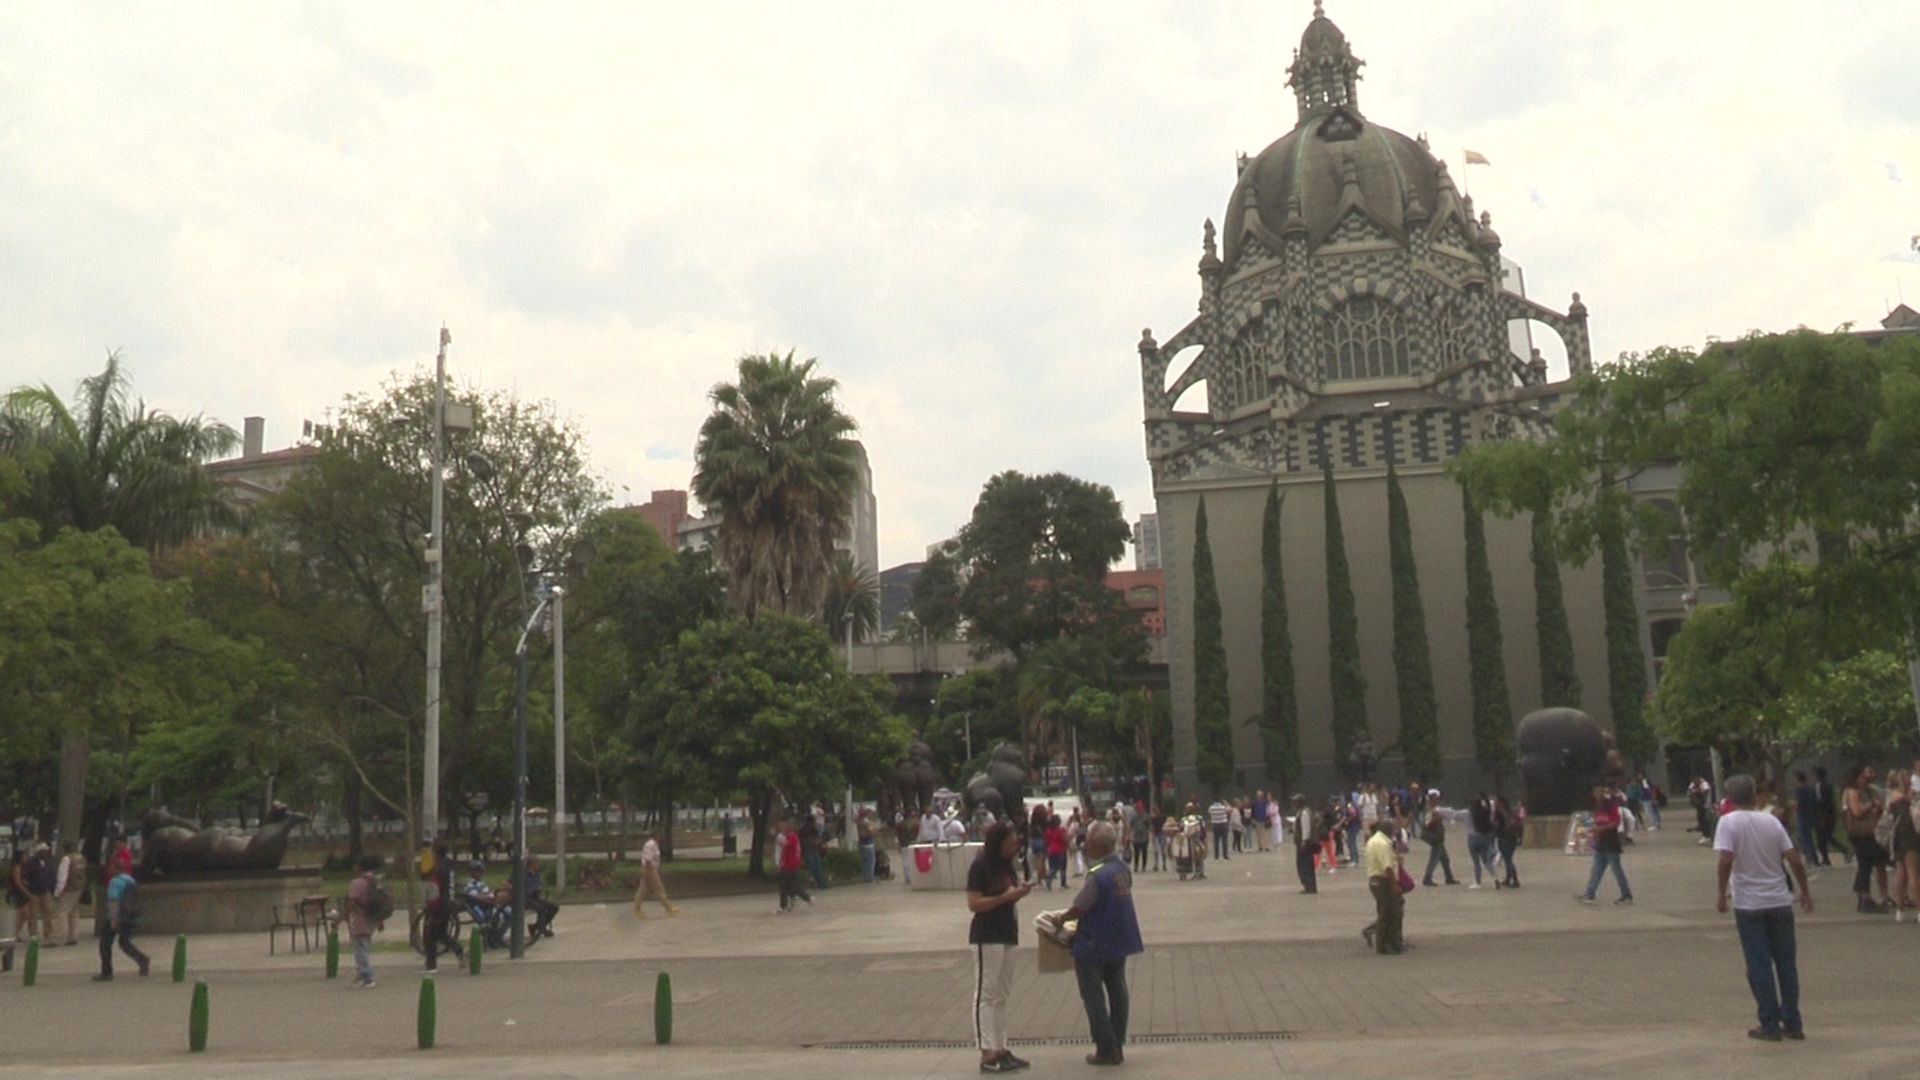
{"x": 932, "y": 963}
{"x": 645, "y": 1001}
{"x": 1471, "y": 998}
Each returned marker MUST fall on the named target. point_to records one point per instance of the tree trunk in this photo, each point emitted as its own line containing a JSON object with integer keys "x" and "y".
{"x": 73, "y": 784}
{"x": 350, "y": 805}
{"x": 666, "y": 825}
{"x": 760, "y": 805}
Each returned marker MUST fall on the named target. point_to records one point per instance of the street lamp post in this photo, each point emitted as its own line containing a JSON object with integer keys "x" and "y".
{"x": 433, "y": 599}
{"x": 559, "y": 594}
{"x": 518, "y": 941}
{"x": 846, "y": 621}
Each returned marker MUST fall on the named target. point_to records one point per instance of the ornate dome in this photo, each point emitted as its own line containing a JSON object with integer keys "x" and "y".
{"x": 1303, "y": 179}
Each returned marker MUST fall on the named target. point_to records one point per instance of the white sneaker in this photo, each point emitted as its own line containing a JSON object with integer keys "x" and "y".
{"x": 1475, "y": 885}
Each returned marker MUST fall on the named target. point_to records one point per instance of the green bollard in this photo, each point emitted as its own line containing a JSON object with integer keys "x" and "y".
{"x": 474, "y": 948}
{"x": 428, "y": 1013}
{"x": 197, "y": 1018}
{"x": 333, "y": 953}
{"x": 32, "y": 971}
{"x": 180, "y": 958}
{"x": 663, "y": 1010}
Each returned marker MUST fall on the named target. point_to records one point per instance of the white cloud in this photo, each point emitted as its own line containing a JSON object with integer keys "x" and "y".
{"x": 968, "y": 214}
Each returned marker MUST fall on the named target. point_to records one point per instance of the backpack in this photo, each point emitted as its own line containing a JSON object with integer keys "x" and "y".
{"x": 379, "y": 903}
{"x": 130, "y": 902}
{"x": 1883, "y": 830}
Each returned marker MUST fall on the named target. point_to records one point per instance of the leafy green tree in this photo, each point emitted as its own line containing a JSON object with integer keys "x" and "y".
{"x": 1412, "y": 662}
{"x": 1051, "y": 675}
{"x": 102, "y": 461}
{"x": 1348, "y": 684}
{"x": 1034, "y": 559}
{"x": 1862, "y": 705}
{"x": 778, "y": 463}
{"x": 1279, "y": 718}
{"x": 983, "y": 701}
{"x": 1486, "y": 652}
{"x": 1212, "y": 733}
{"x": 853, "y": 598}
{"x": 769, "y": 707}
{"x": 352, "y": 530}
{"x": 1626, "y": 663}
{"x": 936, "y": 597}
{"x": 93, "y": 646}
{"x": 1130, "y": 730}
{"x": 1559, "y": 680}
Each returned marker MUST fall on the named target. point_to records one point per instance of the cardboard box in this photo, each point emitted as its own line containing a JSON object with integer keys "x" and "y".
{"x": 1054, "y": 957}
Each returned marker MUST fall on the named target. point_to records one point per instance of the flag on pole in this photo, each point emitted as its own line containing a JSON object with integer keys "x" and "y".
{"x": 1475, "y": 157}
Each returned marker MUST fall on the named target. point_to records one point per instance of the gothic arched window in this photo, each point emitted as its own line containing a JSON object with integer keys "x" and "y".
{"x": 1367, "y": 340}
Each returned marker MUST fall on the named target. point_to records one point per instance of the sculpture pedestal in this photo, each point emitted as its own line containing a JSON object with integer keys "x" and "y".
{"x": 221, "y": 904}
{"x": 1547, "y": 832}
{"x": 945, "y": 865}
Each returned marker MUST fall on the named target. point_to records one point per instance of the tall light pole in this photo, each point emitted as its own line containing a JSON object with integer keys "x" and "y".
{"x": 559, "y": 594}
{"x": 433, "y": 598}
{"x": 518, "y": 941}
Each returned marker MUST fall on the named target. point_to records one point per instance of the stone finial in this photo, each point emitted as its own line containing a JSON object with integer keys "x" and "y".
{"x": 1319, "y": 12}
{"x": 1537, "y": 364}
{"x": 1148, "y": 346}
{"x": 1576, "y": 310}
{"x": 1206, "y": 238}
{"x": 1488, "y": 238}
{"x": 1296, "y": 222}
{"x": 1416, "y": 212}
{"x": 1240, "y": 164}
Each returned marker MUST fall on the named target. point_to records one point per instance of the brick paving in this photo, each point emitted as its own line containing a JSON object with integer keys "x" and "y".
{"x": 1525, "y": 983}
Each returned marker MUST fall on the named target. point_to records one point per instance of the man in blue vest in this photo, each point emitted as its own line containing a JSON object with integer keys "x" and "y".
{"x": 1108, "y": 934}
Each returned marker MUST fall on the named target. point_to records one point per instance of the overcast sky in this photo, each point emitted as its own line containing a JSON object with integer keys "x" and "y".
{"x": 967, "y": 213}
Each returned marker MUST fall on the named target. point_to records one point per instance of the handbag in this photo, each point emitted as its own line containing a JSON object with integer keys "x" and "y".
{"x": 1406, "y": 881}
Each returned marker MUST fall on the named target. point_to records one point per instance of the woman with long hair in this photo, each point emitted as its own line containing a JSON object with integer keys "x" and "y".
{"x": 1507, "y": 828}
{"x": 993, "y": 888}
{"x": 1860, "y": 807}
{"x": 1906, "y": 845}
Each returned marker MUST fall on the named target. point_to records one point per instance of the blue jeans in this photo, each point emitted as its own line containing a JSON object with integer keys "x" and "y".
{"x": 1766, "y": 937}
{"x": 1057, "y": 866}
{"x": 1437, "y": 856}
{"x": 1220, "y": 842}
{"x": 866, "y": 861}
{"x": 1480, "y": 851}
{"x": 1103, "y": 990}
{"x": 1601, "y": 861}
{"x": 362, "y": 964}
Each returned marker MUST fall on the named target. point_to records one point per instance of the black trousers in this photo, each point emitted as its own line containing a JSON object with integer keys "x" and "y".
{"x": 435, "y": 929}
{"x": 1303, "y": 863}
{"x": 1140, "y": 855}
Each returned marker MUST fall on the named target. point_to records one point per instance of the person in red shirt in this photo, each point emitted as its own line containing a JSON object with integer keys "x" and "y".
{"x": 1606, "y": 847}
{"x": 1056, "y": 835}
{"x": 787, "y": 858}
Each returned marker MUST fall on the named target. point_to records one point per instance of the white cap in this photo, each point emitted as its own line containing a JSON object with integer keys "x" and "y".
{"x": 1433, "y": 793}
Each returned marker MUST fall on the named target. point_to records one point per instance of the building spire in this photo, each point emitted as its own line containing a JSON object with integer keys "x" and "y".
{"x": 1324, "y": 70}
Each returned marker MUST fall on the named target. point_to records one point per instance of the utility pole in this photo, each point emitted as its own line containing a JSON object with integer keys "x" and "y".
{"x": 559, "y": 742}
{"x": 433, "y": 599}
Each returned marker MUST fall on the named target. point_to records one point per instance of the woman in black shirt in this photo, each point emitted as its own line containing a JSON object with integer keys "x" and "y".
{"x": 993, "y": 888}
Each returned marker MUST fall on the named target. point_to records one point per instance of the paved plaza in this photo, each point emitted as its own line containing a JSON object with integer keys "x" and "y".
{"x": 1242, "y": 977}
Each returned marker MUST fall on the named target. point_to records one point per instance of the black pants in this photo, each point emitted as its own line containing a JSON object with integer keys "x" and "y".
{"x": 125, "y": 937}
{"x": 1387, "y": 912}
{"x": 1140, "y": 855}
{"x": 1508, "y": 845}
{"x": 1303, "y": 863}
{"x": 1867, "y": 854}
{"x": 543, "y": 911}
{"x": 435, "y": 928}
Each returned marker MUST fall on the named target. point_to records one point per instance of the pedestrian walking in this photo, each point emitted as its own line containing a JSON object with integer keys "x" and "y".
{"x": 1905, "y": 853}
{"x": 810, "y": 841}
{"x": 1606, "y": 847}
{"x": 1806, "y": 817}
{"x": 993, "y": 890}
{"x": 652, "y": 886}
{"x": 1140, "y": 831}
{"x": 39, "y": 878}
{"x": 1826, "y": 817}
{"x": 863, "y": 829}
{"x": 1752, "y": 846}
{"x": 1433, "y": 833}
{"x": 1056, "y": 841}
{"x": 123, "y": 918}
{"x": 1306, "y": 845}
{"x": 363, "y": 919}
{"x": 1384, "y": 868}
{"x": 69, "y": 886}
{"x": 1109, "y": 933}
{"x": 1163, "y": 838}
{"x": 787, "y": 848}
{"x": 1482, "y": 838}
{"x": 1508, "y": 828}
{"x": 436, "y": 867}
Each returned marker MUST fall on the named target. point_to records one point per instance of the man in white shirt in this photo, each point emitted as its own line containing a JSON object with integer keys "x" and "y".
{"x": 1752, "y": 845}
{"x": 1220, "y": 819}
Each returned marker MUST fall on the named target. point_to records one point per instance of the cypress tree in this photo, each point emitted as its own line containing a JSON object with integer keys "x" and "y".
{"x": 1412, "y": 662}
{"x": 1486, "y": 652}
{"x": 1626, "y": 664}
{"x": 1212, "y": 733}
{"x": 1280, "y": 714}
{"x": 1559, "y": 681}
{"x": 1349, "y": 686}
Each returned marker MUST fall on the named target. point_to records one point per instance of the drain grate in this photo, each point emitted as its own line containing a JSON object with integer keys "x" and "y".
{"x": 968, "y": 1044}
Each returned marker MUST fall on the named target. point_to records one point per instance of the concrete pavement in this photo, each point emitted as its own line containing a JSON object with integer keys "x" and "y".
{"x": 1243, "y": 976}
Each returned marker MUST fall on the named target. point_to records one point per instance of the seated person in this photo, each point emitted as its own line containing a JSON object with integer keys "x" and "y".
{"x": 542, "y": 909}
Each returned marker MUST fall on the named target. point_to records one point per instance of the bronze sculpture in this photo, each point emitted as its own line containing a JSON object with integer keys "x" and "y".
{"x": 174, "y": 845}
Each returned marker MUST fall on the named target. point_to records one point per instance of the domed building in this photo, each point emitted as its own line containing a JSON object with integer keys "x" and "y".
{"x": 1355, "y": 311}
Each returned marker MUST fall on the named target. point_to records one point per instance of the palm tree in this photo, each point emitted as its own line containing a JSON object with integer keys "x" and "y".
{"x": 852, "y": 590}
{"x": 778, "y": 463}
{"x": 107, "y": 461}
